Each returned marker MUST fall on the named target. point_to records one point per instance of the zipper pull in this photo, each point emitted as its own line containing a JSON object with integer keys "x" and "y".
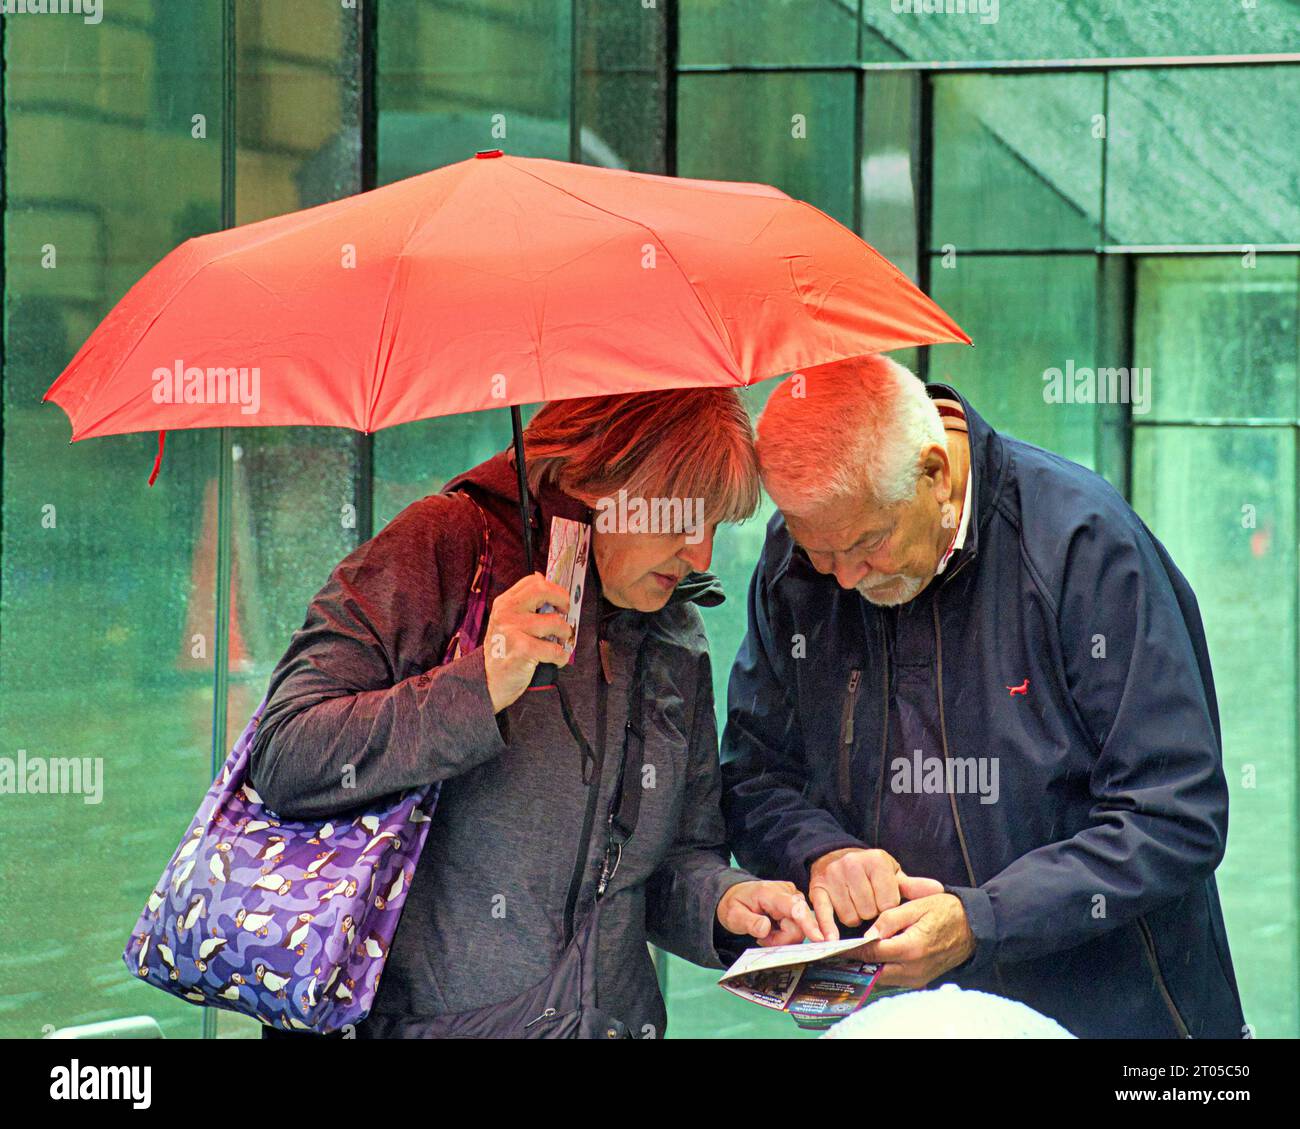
{"x": 854, "y": 678}
{"x": 845, "y": 782}
{"x": 549, "y": 1013}
{"x": 606, "y": 873}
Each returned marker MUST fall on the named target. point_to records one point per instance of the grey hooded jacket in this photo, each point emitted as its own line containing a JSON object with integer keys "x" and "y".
{"x": 359, "y": 698}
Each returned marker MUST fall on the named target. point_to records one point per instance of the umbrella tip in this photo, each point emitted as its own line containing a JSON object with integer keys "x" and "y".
{"x": 484, "y": 154}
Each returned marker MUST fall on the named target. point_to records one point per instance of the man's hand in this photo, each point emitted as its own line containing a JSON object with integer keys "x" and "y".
{"x": 856, "y": 885}
{"x": 774, "y": 913}
{"x": 920, "y": 940}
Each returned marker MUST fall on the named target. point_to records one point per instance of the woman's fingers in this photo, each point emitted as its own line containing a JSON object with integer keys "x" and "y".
{"x": 542, "y": 625}
{"x": 531, "y": 593}
{"x": 536, "y": 650}
{"x": 520, "y": 636}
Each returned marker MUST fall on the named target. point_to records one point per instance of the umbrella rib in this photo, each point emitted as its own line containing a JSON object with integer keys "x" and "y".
{"x": 107, "y": 379}
{"x": 719, "y": 329}
{"x": 381, "y": 372}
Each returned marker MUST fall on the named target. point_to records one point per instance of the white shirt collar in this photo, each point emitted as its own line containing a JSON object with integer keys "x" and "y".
{"x": 959, "y": 541}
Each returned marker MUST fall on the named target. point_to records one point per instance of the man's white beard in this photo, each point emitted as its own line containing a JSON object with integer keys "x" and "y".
{"x": 906, "y": 591}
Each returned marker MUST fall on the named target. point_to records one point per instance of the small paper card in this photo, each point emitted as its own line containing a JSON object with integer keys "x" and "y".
{"x": 815, "y": 981}
{"x": 566, "y": 565}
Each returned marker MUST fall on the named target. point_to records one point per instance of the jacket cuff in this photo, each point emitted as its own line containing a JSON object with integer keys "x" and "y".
{"x": 979, "y": 915}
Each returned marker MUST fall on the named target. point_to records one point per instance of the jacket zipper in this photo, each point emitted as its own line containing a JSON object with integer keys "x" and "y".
{"x": 884, "y": 727}
{"x": 846, "y": 740}
{"x": 593, "y": 795}
{"x": 1148, "y": 942}
{"x": 943, "y": 737}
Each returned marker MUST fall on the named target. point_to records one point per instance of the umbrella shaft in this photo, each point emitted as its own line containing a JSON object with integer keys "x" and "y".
{"x": 521, "y": 470}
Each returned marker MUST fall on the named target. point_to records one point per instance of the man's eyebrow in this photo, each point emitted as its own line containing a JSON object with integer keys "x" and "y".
{"x": 870, "y": 535}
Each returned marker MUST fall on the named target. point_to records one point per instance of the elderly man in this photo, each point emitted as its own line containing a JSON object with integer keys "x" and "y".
{"x": 974, "y": 707}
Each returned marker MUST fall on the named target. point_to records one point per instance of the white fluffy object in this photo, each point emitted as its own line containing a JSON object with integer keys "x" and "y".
{"x": 946, "y": 1013}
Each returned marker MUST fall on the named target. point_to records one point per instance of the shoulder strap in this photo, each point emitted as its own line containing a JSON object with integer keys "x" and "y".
{"x": 626, "y": 805}
{"x": 467, "y": 634}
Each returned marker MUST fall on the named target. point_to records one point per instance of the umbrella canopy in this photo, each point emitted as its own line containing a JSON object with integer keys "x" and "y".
{"x": 495, "y": 281}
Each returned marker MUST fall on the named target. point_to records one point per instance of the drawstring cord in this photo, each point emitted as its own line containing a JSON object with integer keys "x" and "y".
{"x": 157, "y": 459}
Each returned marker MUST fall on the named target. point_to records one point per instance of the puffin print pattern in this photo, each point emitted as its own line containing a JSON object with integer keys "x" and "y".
{"x": 289, "y": 922}
{"x": 283, "y": 920}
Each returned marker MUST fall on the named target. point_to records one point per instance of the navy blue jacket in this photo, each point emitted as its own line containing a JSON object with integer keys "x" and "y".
{"x": 1089, "y": 881}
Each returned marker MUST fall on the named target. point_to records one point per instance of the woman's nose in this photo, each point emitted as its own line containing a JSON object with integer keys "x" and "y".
{"x": 699, "y": 554}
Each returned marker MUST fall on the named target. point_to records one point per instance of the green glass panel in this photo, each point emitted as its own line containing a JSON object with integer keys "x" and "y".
{"x": 889, "y": 170}
{"x": 1203, "y": 156}
{"x": 794, "y": 131}
{"x": 417, "y": 459}
{"x": 976, "y": 30}
{"x": 1017, "y": 161}
{"x": 1222, "y": 499}
{"x": 1027, "y": 315}
{"x": 106, "y": 628}
{"x": 455, "y": 78}
{"x": 1219, "y": 336}
{"x": 768, "y": 31}
{"x": 622, "y": 107}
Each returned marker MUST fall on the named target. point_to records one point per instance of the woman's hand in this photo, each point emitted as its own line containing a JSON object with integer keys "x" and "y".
{"x": 517, "y": 634}
{"x": 774, "y": 913}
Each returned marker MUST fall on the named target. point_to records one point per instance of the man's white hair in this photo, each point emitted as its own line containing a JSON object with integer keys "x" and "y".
{"x": 854, "y": 428}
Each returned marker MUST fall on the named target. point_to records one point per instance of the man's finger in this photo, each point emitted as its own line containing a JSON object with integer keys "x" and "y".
{"x": 913, "y": 888}
{"x": 884, "y": 888}
{"x": 825, "y": 911}
{"x": 858, "y": 890}
{"x": 895, "y": 943}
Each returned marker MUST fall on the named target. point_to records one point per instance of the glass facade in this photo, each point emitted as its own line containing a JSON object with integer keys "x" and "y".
{"x": 1115, "y": 206}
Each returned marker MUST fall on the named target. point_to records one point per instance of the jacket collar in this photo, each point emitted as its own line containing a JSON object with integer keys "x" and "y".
{"x": 987, "y": 458}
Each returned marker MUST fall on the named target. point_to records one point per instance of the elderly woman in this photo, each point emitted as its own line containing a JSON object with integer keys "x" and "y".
{"x": 533, "y": 796}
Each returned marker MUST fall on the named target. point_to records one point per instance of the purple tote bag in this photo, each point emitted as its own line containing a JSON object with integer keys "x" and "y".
{"x": 288, "y": 921}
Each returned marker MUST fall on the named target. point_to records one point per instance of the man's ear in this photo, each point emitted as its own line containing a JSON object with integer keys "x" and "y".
{"x": 935, "y": 466}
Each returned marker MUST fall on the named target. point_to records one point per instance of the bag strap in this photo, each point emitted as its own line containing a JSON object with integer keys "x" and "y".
{"x": 467, "y": 634}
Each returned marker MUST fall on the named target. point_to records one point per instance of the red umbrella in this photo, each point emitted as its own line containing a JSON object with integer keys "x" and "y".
{"x": 495, "y": 281}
